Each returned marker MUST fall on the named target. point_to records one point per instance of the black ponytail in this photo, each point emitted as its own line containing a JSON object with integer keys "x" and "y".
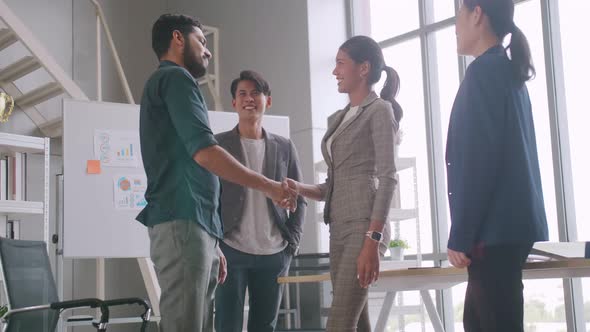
{"x": 390, "y": 90}
{"x": 520, "y": 54}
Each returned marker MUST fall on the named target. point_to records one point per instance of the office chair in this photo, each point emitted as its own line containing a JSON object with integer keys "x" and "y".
{"x": 30, "y": 291}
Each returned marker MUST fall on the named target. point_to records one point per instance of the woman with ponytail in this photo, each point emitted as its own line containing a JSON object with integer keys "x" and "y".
{"x": 494, "y": 182}
{"x": 359, "y": 151}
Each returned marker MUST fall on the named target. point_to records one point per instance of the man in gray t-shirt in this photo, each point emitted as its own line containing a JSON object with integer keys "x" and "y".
{"x": 260, "y": 238}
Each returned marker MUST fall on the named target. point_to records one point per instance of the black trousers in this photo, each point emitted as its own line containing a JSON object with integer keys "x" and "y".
{"x": 494, "y": 300}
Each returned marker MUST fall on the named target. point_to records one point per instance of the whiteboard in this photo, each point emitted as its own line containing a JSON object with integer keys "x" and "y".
{"x": 92, "y": 226}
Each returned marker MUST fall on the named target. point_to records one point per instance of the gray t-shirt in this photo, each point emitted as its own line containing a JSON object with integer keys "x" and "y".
{"x": 257, "y": 234}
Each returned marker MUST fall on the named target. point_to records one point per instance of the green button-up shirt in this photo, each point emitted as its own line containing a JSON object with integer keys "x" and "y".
{"x": 173, "y": 126}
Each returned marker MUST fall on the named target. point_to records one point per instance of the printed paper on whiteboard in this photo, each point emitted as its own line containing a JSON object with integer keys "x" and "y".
{"x": 116, "y": 148}
{"x": 129, "y": 193}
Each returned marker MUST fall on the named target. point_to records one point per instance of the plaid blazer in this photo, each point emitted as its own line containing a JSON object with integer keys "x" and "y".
{"x": 361, "y": 172}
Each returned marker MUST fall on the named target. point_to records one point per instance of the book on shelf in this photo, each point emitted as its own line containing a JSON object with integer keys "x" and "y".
{"x": 13, "y": 229}
{"x": 13, "y": 176}
{"x": 3, "y": 225}
{"x": 3, "y": 179}
{"x": 23, "y": 178}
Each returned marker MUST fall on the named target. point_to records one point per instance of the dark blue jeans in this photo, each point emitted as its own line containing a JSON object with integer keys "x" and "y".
{"x": 259, "y": 274}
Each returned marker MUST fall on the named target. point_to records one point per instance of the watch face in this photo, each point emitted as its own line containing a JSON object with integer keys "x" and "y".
{"x": 376, "y": 236}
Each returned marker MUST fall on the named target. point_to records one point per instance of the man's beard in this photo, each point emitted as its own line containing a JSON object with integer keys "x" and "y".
{"x": 192, "y": 63}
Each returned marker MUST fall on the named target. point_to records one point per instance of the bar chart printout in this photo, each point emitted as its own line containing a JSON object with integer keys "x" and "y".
{"x": 116, "y": 148}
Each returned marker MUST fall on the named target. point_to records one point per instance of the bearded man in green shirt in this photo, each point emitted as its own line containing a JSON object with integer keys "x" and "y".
{"x": 182, "y": 162}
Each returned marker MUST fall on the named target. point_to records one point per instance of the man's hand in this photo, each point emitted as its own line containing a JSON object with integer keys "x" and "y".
{"x": 294, "y": 185}
{"x": 368, "y": 263}
{"x": 292, "y": 188}
{"x": 458, "y": 259}
{"x": 222, "y": 267}
{"x": 282, "y": 195}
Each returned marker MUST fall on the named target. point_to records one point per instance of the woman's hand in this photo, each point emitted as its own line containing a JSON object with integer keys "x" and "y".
{"x": 458, "y": 259}
{"x": 368, "y": 263}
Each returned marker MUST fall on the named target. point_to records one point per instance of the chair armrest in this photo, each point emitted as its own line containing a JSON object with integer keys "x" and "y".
{"x": 11, "y": 312}
{"x": 132, "y": 300}
{"x": 88, "y": 302}
{"x": 79, "y": 303}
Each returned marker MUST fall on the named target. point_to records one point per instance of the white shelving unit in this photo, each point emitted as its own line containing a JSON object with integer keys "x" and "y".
{"x": 10, "y": 143}
{"x": 398, "y": 215}
{"x": 10, "y": 207}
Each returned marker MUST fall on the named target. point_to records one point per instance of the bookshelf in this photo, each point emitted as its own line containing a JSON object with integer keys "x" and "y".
{"x": 15, "y": 204}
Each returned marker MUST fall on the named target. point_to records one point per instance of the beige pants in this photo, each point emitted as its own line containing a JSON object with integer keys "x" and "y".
{"x": 186, "y": 260}
{"x": 349, "y": 311}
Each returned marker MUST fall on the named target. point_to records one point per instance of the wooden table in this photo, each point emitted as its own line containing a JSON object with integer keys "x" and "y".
{"x": 431, "y": 278}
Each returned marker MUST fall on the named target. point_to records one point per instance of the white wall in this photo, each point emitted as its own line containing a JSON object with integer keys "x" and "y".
{"x": 269, "y": 36}
{"x": 130, "y": 22}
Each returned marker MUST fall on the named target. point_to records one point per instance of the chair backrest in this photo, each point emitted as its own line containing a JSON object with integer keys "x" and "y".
{"x": 28, "y": 282}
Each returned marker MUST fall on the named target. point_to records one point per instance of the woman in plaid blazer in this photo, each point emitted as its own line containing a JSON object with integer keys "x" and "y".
{"x": 359, "y": 150}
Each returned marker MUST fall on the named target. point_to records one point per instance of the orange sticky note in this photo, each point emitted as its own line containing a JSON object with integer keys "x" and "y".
{"x": 93, "y": 166}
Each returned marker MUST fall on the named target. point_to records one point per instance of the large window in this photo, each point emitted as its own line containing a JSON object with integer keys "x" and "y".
{"x": 423, "y": 50}
{"x": 447, "y": 73}
{"x": 447, "y": 84}
{"x": 544, "y": 300}
{"x": 405, "y": 58}
{"x": 527, "y": 17}
{"x": 576, "y": 73}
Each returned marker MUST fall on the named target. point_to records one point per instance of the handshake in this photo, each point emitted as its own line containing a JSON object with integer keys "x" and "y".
{"x": 284, "y": 194}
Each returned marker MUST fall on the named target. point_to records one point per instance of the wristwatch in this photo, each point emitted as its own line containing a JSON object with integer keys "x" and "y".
{"x": 374, "y": 235}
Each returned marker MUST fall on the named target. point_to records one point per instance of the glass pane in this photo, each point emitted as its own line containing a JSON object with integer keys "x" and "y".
{"x": 406, "y": 59}
{"x": 544, "y": 303}
{"x": 576, "y": 73}
{"x": 447, "y": 66}
{"x": 443, "y": 9}
{"x": 393, "y": 17}
{"x": 544, "y": 308}
{"x": 528, "y": 18}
